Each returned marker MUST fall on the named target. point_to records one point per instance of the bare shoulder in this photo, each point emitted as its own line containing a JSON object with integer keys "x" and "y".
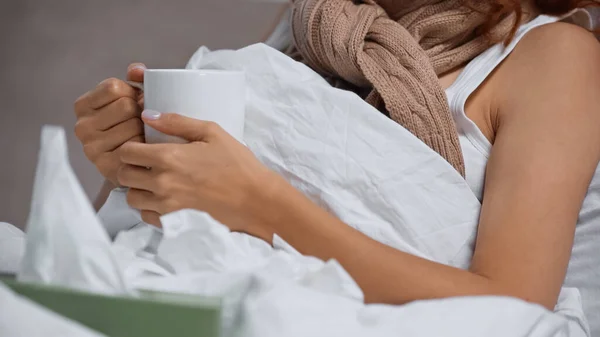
{"x": 551, "y": 62}
{"x": 557, "y": 42}
{"x": 560, "y": 34}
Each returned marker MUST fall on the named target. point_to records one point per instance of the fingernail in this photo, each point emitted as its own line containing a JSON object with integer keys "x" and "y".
{"x": 139, "y": 66}
{"x": 151, "y": 114}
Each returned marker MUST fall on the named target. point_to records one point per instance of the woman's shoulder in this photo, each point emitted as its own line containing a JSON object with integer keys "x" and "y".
{"x": 555, "y": 47}
{"x": 551, "y": 60}
{"x": 558, "y": 39}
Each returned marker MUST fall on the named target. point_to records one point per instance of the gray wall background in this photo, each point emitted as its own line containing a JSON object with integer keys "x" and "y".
{"x": 53, "y": 51}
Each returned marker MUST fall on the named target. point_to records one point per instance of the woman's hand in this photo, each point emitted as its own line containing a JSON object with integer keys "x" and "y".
{"x": 107, "y": 117}
{"x": 213, "y": 173}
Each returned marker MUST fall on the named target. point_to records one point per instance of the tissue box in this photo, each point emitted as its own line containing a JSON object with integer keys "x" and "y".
{"x": 153, "y": 314}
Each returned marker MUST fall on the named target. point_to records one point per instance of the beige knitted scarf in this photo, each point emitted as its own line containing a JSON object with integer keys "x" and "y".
{"x": 395, "y": 49}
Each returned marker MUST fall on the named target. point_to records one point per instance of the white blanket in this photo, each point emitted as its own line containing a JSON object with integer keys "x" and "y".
{"x": 345, "y": 156}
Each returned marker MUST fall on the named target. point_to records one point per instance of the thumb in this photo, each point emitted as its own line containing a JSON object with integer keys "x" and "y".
{"x": 135, "y": 72}
{"x": 173, "y": 124}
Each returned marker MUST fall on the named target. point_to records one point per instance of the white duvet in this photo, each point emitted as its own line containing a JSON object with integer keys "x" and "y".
{"x": 345, "y": 156}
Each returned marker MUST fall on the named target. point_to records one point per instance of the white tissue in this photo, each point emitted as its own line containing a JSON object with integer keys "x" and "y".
{"x": 12, "y": 247}
{"x": 209, "y": 260}
{"x": 66, "y": 244}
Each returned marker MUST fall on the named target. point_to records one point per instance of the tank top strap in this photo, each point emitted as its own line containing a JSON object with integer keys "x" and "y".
{"x": 474, "y": 74}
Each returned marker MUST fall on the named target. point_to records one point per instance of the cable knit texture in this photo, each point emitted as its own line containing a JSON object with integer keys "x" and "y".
{"x": 395, "y": 50}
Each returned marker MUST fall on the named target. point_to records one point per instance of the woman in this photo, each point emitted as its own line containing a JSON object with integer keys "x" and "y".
{"x": 525, "y": 126}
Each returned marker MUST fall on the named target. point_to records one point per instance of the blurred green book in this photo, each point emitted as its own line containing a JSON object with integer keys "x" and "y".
{"x": 153, "y": 314}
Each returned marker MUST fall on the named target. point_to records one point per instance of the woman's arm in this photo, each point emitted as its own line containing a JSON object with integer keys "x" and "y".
{"x": 386, "y": 275}
{"x": 546, "y": 149}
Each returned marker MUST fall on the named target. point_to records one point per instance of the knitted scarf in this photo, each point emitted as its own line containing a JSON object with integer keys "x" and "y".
{"x": 395, "y": 50}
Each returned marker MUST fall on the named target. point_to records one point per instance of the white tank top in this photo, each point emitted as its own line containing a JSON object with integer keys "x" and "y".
{"x": 584, "y": 267}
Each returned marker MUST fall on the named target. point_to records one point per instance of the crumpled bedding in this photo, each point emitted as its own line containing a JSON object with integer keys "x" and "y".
{"x": 349, "y": 158}
{"x": 345, "y": 156}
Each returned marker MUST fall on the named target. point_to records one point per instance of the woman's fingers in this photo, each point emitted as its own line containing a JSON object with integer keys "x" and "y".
{"x": 111, "y": 139}
{"x": 185, "y": 127}
{"x": 115, "y": 113}
{"x": 143, "y": 200}
{"x": 135, "y": 72}
{"x": 151, "y": 217}
{"x": 122, "y": 133}
{"x": 104, "y": 93}
{"x": 137, "y": 177}
{"x": 146, "y": 155}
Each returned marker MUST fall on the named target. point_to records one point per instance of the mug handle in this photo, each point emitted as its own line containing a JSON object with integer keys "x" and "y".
{"x": 137, "y": 85}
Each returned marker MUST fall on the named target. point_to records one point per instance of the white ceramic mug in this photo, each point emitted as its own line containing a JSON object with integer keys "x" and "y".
{"x": 211, "y": 95}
